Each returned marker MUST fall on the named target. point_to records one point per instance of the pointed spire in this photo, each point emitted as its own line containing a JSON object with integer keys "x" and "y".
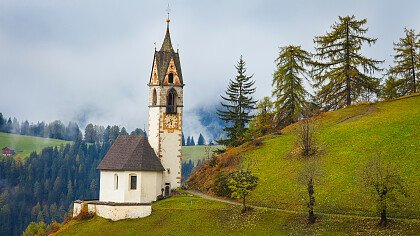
{"x": 167, "y": 44}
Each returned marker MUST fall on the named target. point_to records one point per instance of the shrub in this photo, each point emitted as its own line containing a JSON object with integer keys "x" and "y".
{"x": 220, "y": 187}
{"x": 85, "y": 214}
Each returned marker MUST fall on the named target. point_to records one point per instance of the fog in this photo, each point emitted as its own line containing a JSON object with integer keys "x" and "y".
{"x": 90, "y": 61}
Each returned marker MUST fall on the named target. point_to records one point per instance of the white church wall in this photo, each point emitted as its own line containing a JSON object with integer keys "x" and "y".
{"x": 107, "y": 190}
{"x": 151, "y": 185}
{"x": 148, "y": 186}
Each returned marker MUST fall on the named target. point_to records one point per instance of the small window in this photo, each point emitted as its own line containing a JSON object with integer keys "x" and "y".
{"x": 171, "y": 78}
{"x": 169, "y": 170}
{"x": 116, "y": 182}
{"x": 133, "y": 182}
{"x": 154, "y": 102}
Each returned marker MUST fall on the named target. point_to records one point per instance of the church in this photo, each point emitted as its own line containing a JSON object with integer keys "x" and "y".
{"x": 137, "y": 170}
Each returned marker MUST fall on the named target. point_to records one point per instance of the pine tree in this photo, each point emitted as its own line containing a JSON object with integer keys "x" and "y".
{"x": 391, "y": 89}
{"x": 183, "y": 139}
{"x": 201, "y": 140}
{"x": 343, "y": 74}
{"x": 289, "y": 92}
{"x": 192, "y": 142}
{"x": 407, "y": 63}
{"x": 188, "y": 141}
{"x": 237, "y": 107}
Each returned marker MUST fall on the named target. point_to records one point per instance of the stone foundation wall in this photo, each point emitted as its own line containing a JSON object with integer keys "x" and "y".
{"x": 114, "y": 211}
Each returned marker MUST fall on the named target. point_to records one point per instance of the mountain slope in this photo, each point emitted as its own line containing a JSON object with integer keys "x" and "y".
{"x": 24, "y": 144}
{"x": 349, "y": 138}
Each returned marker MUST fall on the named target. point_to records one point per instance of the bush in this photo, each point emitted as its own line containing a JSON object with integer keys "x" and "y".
{"x": 84, "y": 214}
{"x": 213, "y": 161}
{"x": 220, "y": 187}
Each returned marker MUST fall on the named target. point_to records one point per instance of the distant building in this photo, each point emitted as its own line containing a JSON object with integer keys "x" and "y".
{"x": 8, "y": 151}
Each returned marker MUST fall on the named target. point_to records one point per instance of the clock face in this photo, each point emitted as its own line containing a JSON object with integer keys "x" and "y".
{"x": 170, "y": 121}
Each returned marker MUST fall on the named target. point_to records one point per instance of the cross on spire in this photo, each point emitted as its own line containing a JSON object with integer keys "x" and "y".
{"x": 168, "y": 10}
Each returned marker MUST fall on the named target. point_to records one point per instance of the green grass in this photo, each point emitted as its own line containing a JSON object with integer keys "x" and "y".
{"x": 24, "y": 145}
{"x": 176, "y": 216}
{"x": 195, "y": 153}
{"x": 392, "y": 128}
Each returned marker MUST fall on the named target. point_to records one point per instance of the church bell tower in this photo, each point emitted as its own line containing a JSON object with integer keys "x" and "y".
{"x": 165, "y": 111}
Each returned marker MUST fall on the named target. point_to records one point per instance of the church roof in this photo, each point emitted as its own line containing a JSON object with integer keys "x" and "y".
{"x": 131, "y": 153}
{"x": 163, "y": 58}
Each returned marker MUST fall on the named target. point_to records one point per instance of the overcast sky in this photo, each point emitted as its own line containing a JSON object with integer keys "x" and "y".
{"x": 83, "y": 60}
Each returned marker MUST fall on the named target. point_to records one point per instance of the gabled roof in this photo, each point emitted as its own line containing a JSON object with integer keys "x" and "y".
{"x": 163, "y": 58}
{"x": 10, "y": 148}
{"x": 131, "y": 153}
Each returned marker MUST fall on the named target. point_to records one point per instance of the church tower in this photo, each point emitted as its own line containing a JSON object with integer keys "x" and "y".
{"x": 165, "y": 111}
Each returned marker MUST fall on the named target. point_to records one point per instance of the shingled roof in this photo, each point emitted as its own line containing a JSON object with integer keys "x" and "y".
{"x": 163, "y": 58}
{"x": 131, "y": 153}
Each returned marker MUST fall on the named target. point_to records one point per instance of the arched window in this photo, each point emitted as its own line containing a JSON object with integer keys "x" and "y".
{"x": 116, "y": 182}
{"x": 154, "y": 102}
{"x": 171, "y": 102}
{"x": 133, "y": 181}
{"x": 171, "y": 78}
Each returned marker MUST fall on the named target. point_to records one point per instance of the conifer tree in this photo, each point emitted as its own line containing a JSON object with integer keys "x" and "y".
{"x": 201, "y": 140}
{"x": 188, "y": 141}
{"x": 183, "y": 139}
{"x": 237, "y": 106}
{"x": 290, "y": 95}
{"x": 407, "y": 63}
{"x": 192, "y": 142}
{"x": 343, "y": 74}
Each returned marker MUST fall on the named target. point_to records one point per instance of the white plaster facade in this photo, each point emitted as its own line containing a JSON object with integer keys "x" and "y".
{"x": 166, "y": 143}
{"x": 115, "y": 186}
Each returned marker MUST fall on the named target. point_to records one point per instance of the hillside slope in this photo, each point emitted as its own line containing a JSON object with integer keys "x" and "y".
{"x": 349, "y": 138}
{"x": 24, "y": 144}
{"x": 178, "y": 216}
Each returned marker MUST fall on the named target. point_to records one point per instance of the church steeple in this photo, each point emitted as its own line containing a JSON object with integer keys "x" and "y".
{"x": 167, "y": 44}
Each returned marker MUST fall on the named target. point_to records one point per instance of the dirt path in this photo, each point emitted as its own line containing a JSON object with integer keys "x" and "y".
{"x": 205, "y": 196}
{"x": 367, "y": 112}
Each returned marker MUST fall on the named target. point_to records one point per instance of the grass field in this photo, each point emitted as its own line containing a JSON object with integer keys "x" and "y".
{"x": 24, "y": 145}
{"x": 195, "y": 153}
{"x": 349, "y": 138}
{"x": 176, "y": 216}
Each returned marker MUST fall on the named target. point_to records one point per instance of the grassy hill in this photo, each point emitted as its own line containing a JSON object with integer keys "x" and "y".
{"x": 195, "y": 153}
{"x": 176, "y": 216}
{"x": 24, "y": 145}
{"x": 349, "y": 138}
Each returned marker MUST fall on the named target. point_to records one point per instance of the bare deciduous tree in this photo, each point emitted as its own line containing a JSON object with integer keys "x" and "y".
{"x": 385, "y": 182}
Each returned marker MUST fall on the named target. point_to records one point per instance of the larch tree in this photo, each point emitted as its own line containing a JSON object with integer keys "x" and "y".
{"x": 342, "y": 74}
{"x": 288, "y": 90}
{"x": 237, "y": 106}
{"x": 407, "y": 63}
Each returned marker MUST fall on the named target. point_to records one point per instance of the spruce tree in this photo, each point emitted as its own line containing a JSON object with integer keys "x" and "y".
{"x": 290, "y": 95}
{"x": 183, "y": 139}
{"x": 343, "y": 75}
{"x": 188, "y": 141}
{"x": 407, "y": 63}
{"x": 192, "y": 141}
{"x": 200, "y": 140}
{"x": 237, "y": 106}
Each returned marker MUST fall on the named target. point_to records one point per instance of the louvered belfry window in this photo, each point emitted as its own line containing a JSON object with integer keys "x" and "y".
{"x": 171, "y": 102}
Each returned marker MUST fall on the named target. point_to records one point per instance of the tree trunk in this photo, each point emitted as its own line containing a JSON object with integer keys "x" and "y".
{"x": 347, "y": 67}
{"x": 311, "y": 217}
{"x": 384, "y": 220}
{"x": 243, "y": 205}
